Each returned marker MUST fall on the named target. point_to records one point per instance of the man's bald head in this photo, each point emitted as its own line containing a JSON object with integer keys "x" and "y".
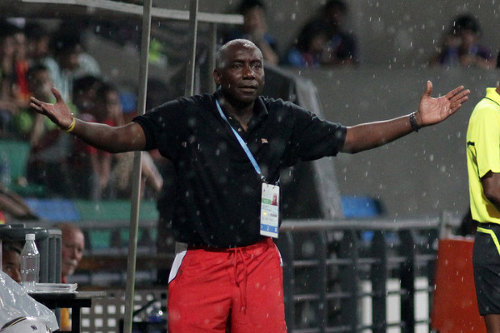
{"x": 221, "y": 56}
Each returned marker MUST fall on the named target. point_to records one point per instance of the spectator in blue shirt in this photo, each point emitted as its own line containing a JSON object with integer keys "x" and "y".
{"x": 461, "y": 47}
{"x": 309, "y": 49}
{"x": 341, "y": 47}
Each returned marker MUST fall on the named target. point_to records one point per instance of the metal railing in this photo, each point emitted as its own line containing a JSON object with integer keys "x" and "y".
{"x": 331, "y": 269}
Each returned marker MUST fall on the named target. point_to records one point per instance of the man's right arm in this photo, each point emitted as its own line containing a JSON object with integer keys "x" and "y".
{"x": 128, "y": 137}
{"x": 491, "y": 187}
{"x": 112, "y": 139}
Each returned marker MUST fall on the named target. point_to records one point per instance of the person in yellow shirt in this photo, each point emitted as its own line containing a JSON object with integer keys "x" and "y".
{"x": 483, "y": 163}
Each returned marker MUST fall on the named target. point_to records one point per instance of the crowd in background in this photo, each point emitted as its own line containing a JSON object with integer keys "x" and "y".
{"x": 33, "y": 59}
{"x": 325, "y": 41}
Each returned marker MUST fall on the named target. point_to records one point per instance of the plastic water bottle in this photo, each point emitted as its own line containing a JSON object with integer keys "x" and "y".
{"x": 30, "y": 264}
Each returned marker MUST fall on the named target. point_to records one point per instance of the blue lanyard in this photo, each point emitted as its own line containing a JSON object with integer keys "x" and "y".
{"x": 242, "y": 143}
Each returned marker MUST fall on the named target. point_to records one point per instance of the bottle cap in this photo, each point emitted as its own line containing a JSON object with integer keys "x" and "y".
{"x": 30, "y": 237}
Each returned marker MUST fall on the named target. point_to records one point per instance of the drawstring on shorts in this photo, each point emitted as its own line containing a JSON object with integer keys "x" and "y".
{"x": 238, "y": 257}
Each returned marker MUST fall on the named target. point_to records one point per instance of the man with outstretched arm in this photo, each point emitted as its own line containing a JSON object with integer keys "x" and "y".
{"x": 228, "y": 149}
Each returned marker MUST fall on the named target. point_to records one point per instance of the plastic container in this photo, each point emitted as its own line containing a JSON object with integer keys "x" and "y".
{"x": 30, "y": 264}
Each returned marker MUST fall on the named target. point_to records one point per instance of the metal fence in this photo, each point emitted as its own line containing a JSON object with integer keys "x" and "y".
{"x": 340, "y": 276}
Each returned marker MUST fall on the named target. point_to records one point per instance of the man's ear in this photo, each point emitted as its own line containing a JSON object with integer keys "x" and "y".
{"x": 217, "y": 77}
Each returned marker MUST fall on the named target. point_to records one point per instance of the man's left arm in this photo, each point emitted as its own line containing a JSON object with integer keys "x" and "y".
{"x": 431, "y": 111}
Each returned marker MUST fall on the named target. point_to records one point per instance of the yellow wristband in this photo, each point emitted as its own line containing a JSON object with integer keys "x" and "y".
{"x": 72, "y": 126}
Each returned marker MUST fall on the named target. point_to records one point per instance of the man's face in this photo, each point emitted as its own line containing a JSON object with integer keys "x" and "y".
{"x": 8, "y": 46}
{"x": 73, "y": 244}
{"x": 241, "y": 73}
{"x": 85, "y": 99}
{"x": 70, "y": 59}
{"x": 20, "y": 43}
{"x": 113, "y": 105}
{"x": 468, "y": 38}
{"x": 40, "y": 84}
{"x": 11, "y": 265}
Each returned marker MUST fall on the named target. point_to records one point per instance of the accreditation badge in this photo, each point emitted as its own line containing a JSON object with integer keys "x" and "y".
{"x": 269, "y": 210}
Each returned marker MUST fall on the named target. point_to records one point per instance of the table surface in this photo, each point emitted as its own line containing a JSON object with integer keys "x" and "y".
{"x": 67, "y": 300}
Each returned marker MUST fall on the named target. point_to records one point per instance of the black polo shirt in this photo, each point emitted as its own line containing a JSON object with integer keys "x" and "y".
{"x": 218, "y": 191}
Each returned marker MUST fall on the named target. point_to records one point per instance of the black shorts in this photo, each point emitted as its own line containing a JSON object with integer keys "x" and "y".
{"x": 486, "y": 262}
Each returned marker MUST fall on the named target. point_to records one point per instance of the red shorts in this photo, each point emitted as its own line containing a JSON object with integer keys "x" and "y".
{"x": 241, "y": 287}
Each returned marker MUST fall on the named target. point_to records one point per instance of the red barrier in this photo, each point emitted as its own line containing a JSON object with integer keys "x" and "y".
{"x": 455, "y": 306}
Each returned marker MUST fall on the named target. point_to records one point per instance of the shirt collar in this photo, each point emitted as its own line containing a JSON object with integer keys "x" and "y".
{"x": 259, "y": 110}
{"x": 492, "y": 94}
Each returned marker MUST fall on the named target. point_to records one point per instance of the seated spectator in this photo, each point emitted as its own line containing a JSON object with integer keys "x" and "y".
{"x": 461, "y": 47}
{"x": 255, "y": 29}
{"x": 14, "y": 91}
{"x": 30, "y": 126}
{"x": 8, "y": 104}
{"x": 309, "y": 48}
{"x": 37, "y": 41}
{"x": 87, "y": 64}
{"x": 11, "y": 259}
{"x": 21, "y": 65}
{"x": 84, "y": 93}
{"x": 120, "y": 185}
{"x": 50, "y": 148}
{"x": 70, "y": 62}
{"x": 341, "y": 47}
{"x": 104, "y": 177}
{"x": 55, "y": 148}
{"x": 121, "y": 176}
{"x": 73, "y": 245}
{"x": 88, "y": 163}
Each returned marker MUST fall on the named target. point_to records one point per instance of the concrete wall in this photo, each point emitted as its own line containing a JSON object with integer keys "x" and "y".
{"x": 404, "y": 33}
{"x": 421, "y": 174}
